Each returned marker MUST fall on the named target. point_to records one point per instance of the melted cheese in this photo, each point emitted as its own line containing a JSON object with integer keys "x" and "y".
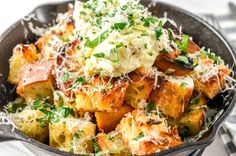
{"x": 140, "y": 46}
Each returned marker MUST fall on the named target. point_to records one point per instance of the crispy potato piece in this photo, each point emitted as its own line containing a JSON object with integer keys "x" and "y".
{"x": 107, "y": 121}
{"x": 147, "y": 133}
{"x": 192, "y": 121}
{"x": 192, "y": 47}
{"x": 36, "y": 81}
{"x": 72, "y": 135}
{"x": 102, "y": 95}
{"x": 172, "y": 96}
{"x": 22, "y": 54}
{"x": 166, "y": 63}
{"x": 112, "y": 142}
{"x": 26, "y": 122}
{"x": 208, "y": 77}
{"x": 197, "y": 102}
{"x": 139, "y": 89}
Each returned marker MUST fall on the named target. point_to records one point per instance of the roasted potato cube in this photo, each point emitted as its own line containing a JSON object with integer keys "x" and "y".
{"x": 36, "y": 81}
{"x": 72, "y": 135}
{"x": 147, "y": 133}
{"x": 27, "y": 122}
{"x": 139, "y": 89}
{"x": 209, "y": 78}
{"x": 166, "y": 62}
{"x": 102, "y": 94}
{"x": 22, "y": 54}
{"x": 192, "y": 122}
{"x": 197, "y": 102}
{"x": 192, "y": 47}
{"x": 112, "y": 142}
{"x": 107, "y": 121}
{"x": 172, "y": 95}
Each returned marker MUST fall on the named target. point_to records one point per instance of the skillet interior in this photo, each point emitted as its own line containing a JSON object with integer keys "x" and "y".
{"x": 202, "y": 33}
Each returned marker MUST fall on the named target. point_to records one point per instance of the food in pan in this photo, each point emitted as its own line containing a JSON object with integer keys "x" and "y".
{"x": 111, "y": 79}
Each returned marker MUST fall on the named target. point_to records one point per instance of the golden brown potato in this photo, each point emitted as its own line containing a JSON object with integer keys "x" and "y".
{"x": 107, "y": 121}
{"x": 172, "y": 95}
{"x": 166, "y": 63}
{"x": 112, "y": 142}
{"x": 72, "y": 135}
{"x": 192, "y": 122}
{"x": 147, "y": 133}
{"x": 197, "y": 102}
{"x": 209, "y": 78}
{"x": 36, "y": 81}
{"x": 22, "y": 54}
{"x": 139, "y": 89}
{"x": 27, "y": 122}
{"x": 192, "y": 47}
{"x": 102, "y": 95}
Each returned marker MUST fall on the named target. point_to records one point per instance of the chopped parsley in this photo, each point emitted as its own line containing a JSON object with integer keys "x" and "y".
{"x": 184, "y": 43}
{"x": 81, "y": 80}
{"x": 148, "y": 21}
{"x": 65, "y": 77}
{"x": 151, "y": 107}
{"x": 78, "y": 135}
{"x": 66, "y": 111}
{"x": 194, "y": 100}
{"x": 212, "y": 56}
{"x": 124, "y": 7}
{"x": 95, "y": 145}
{"x": 141, "y": 135}
{"x": 119, "y": 26}
{"x": 99, "y": 55}
{"x": 97, "y": 41}
{"x": 183, "y": 84}
{"x": 13, "y": 108}
{"x": 37, "y": 103}
{"x": 60, "y": 100}
{"x": 158, "y": 33}
{"x": 130, "y": 19}
{"x": 182, "y": 59}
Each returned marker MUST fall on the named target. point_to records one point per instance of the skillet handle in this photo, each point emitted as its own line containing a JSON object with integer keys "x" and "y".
{"x": 9, "y": 133}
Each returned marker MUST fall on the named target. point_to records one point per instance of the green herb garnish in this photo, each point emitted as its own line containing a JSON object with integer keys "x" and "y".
{"x": 66, "y": 111}
{"x": 141, "y": 135}
{"x": 119, "y": 26}
{"x": 99, "y": 55}
{"x": 148, "y": 21}
{"x": 151, "y": 107}
{"x": 182, "y": 59}
{"x": 97, "y": 41}
{"x": 183, "y": 84}
{"x": 95, "y": 145}
{"x": 194, "y": 100}
{"x": 184, "y": 43}
{"x": 37, "y": 103}
{"x": 81, "y": 80}
{"x": 212, "y": 56}
{"x": 158, "y": 33}
{"x": 65, "y": 77}
{"x": 13, "y": 108}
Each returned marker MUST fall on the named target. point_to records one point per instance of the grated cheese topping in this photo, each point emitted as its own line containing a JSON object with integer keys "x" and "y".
{"x": 127, "y": 38}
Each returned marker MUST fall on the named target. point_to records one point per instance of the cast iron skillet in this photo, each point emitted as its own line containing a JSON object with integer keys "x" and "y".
{"x": 203, "y": 34}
